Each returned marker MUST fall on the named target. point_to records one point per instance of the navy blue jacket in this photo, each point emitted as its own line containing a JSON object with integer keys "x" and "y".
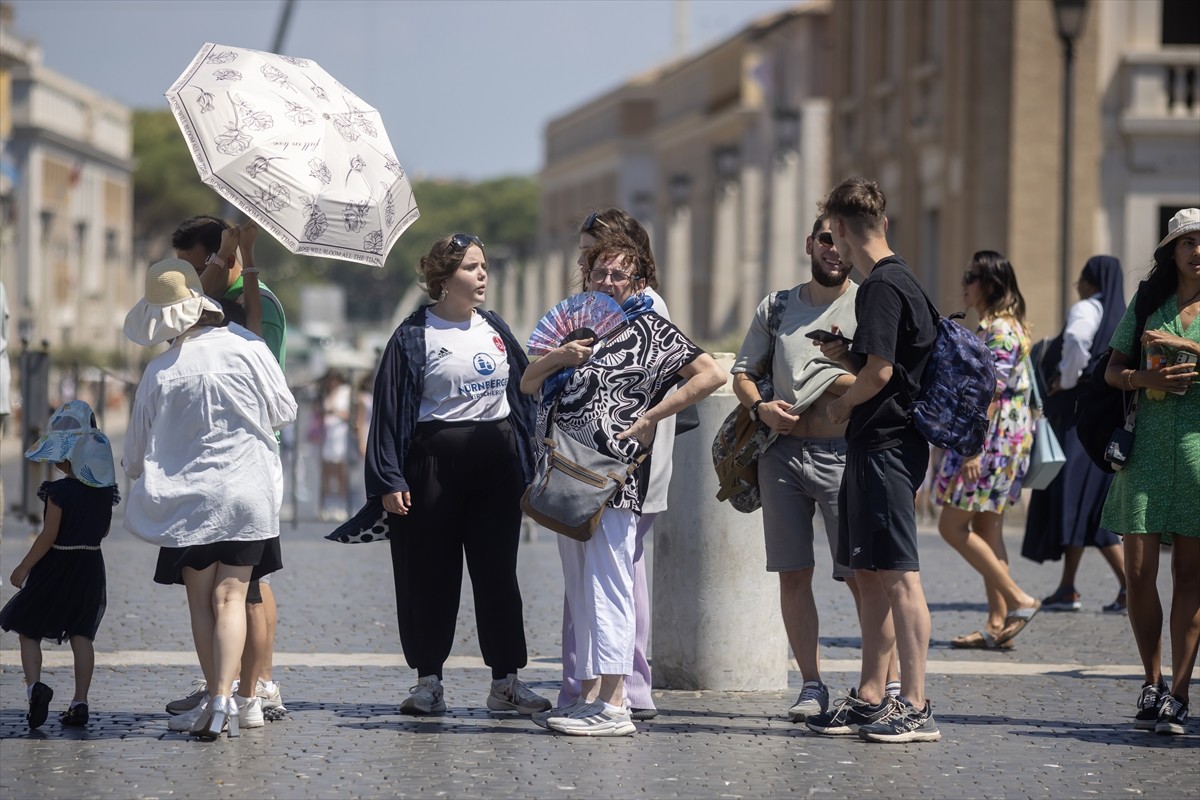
{"x": 397, "y": 403}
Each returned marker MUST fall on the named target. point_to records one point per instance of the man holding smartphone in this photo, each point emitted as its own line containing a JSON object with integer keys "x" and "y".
{"x": 802, "y": 470}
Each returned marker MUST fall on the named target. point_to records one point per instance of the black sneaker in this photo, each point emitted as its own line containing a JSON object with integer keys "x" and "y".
{"x": 1148, "y": 703}
{"x": 39, "y": 704}
{"x": 1172, "y": 716}
{"x": 848, "y": 713}
{"x": 911, "y": 724}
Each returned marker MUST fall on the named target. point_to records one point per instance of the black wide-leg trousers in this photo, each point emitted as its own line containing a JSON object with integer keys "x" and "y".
{"x": 466, "y": 481}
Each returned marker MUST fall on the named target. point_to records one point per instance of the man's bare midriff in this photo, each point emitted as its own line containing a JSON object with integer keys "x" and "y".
{"x": 814, "y": 423}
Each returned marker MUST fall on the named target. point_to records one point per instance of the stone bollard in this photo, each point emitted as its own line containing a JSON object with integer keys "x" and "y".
{"x": 717, "y": 624}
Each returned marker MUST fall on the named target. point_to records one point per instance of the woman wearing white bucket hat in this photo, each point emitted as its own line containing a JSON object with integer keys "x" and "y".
{"x": 1152, "y": 500}
{"x": 201, "y": 446}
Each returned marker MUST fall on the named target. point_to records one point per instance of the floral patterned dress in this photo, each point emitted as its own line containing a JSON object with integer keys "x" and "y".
{"x": 1005, "y": 456}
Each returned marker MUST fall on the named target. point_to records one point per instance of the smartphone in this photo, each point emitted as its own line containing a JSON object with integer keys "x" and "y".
{"x": 828, "y": 336}
{"x": 1184, "y": 357}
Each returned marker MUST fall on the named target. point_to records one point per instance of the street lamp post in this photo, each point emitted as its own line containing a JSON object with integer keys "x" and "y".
{"x": 1069, "y": 16}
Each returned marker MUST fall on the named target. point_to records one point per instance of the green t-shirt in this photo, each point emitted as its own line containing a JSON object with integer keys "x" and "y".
{"x": 274, "y": 323}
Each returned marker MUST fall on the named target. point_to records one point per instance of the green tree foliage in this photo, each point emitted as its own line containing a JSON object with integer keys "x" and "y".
{"x": 502, "y": 212}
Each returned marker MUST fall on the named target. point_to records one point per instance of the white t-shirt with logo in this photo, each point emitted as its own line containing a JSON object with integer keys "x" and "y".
{"x": 466, "y": 371}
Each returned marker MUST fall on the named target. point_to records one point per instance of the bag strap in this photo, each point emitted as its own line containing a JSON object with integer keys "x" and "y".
{"x": 1141, "y": 316}
{"x": 775, "y": 311}
{"x": 1037, "y": 394}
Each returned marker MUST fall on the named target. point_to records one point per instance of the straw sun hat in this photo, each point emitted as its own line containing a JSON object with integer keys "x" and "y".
{"x": 174, "y": 302}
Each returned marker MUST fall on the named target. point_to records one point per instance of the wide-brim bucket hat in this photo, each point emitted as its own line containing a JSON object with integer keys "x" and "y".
{"x": 174, "y": 302}
{"x": 1186, "y": 220}
{"x": 72, "y": 435}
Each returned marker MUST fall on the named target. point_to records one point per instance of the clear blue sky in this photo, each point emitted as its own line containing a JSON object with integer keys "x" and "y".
{"x": 465, "y": 87}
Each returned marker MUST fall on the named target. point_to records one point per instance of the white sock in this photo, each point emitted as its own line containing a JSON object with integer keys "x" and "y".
{"x": 75, "y": 703}
{"x": 609, "y": 707}
{"x": 269, "y": 687}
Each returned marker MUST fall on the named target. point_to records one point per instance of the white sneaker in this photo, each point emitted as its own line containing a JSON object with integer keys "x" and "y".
{"x": 510, "y": 694}
{"x": 250, "y": 711}
{"x": 594, "y": 719}
{"x": 270, "y": 696}
{"x": 541, "y": 717}
{"x": 182, "y": 723}
{"x": 424, "y": 698}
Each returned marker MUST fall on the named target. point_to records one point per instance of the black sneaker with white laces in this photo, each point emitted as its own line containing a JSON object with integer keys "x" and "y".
{"x": 1172, "y": 717}
{"x": 1148, "y": 703}
{"x": 911, "y": 724}
{"x": 848, "y": 713}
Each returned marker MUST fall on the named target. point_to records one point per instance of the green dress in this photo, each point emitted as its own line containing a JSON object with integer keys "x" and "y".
{"x": 1158, "y": 491}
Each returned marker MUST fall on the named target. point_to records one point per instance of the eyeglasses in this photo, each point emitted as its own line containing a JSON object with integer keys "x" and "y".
{"x": 970, "y": 277}
{"x": 461, "y": 241}
{"x": 616, "y": 276}
{"x": 825, "y": 238}
{"x": 591, "y": 222}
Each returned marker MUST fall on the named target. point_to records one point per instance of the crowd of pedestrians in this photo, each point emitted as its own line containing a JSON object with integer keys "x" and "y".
{"x": 454, "y": 390}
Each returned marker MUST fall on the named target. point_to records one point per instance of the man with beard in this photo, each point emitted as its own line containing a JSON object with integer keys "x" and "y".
{"x": 802, "y": 470}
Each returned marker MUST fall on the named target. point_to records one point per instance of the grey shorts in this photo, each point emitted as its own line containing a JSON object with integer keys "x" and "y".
{"x": 795, "y": 478}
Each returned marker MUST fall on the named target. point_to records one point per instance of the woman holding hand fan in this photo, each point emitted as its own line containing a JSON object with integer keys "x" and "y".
{"x": 609, "y": 392}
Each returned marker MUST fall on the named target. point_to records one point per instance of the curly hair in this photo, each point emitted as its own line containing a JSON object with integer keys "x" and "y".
{"x": 442, "y": 260}
{"x": 617, "y": 221}
{"x": 612, "y": 243}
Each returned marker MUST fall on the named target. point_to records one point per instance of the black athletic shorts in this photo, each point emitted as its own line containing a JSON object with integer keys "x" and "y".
{"x": 877, "y": 521}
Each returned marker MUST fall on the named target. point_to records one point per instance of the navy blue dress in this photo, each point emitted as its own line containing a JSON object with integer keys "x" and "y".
{"x": 66, "y": 592}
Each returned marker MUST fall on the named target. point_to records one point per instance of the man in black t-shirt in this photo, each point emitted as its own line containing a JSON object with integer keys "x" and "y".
{"x": 885, "y": 464}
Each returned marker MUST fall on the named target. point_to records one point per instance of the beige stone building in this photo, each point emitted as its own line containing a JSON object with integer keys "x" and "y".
{"x": 722, "y": 155}
{"x": 956, "y": 108}
{"x": 67, "y": 201}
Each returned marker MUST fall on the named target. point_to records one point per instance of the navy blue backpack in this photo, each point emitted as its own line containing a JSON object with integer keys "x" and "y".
{"x": 957, "y": 387}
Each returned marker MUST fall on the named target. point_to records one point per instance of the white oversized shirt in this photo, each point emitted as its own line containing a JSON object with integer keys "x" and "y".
{"x": 201, "y": 441}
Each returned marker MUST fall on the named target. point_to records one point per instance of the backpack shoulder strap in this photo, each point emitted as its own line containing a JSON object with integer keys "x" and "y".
{"x": 1142, "y": 309}
{"x": 774, "y": 320}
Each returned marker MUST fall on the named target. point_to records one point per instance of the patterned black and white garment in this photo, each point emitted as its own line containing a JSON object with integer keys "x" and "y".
{"x": 628, "y": 373}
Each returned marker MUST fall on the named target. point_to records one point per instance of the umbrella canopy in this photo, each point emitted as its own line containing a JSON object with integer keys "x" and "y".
{"x": 298, "y": 152}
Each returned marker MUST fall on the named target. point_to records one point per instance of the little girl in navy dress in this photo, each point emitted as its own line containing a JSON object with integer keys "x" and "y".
{"x": 61, "y": 580}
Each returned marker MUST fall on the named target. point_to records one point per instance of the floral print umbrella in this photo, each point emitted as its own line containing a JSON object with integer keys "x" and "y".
{"x": 300, "y": 153}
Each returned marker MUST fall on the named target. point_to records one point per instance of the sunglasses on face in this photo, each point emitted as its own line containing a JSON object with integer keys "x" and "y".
{"x": 616, "y": 276}
{"x": 970, "y": 277}
{"x": 825, "y": 238}
{"x": 592, "y": 221}
{"x": 461, "y": 241}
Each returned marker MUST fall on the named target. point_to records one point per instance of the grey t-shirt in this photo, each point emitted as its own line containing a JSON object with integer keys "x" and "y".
{"x": 799, "y": 373}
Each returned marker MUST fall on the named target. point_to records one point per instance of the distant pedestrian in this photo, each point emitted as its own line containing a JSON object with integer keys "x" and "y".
{"x": 449, "y": 453}
{"x": 1153, "y": 498}
{"x": 334, "y": 406}
{"x": 61, "y": 579}
{"x": 1064, "y": 518}
{"x": 202, "y": 451}
{"x": 975, "y": 491}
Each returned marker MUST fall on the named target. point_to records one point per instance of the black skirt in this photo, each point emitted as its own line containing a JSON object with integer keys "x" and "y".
{"x": 65, "y": 595}
{"x": 262, "y": 554}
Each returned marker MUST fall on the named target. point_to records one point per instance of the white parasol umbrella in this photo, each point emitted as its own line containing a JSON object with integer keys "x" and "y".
{"x": 299, "y": 153}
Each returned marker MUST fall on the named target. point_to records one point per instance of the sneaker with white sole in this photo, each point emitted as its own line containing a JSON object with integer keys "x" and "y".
{"x": 911, "y": 724}
{"x": 425, "y": 698}
{"x": 541, "y": 717}
{"x": 511, "y": 694}
{"x": 594, "y": 719}
{"x": 189, "y": 701}
{"x": 1172, "y": 717}
{"x": 272, "y": 702}
{"x": 250, "y": 711}
{"x": 848, "y": 713}
{"x": 1148, "y": 704}
{"x": 813, "y": 700}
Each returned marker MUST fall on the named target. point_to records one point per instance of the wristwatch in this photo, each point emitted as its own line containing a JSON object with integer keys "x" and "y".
{"x": 754, "y": 409}
{"x": 214, "y": 259}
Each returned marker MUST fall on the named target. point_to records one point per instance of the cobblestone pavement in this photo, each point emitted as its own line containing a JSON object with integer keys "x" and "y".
{"x": 1050, "y": 719}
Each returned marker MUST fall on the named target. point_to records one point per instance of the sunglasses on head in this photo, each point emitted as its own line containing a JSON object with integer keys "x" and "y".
{"x": 461, "y": 241}
{"x": 825, "y": 238}
{"x": 592, "y": 221}
{"x": 970, "y": 277}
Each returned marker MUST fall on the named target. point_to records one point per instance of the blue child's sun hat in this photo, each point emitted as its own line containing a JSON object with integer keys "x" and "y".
{"x": 72, "y": 436}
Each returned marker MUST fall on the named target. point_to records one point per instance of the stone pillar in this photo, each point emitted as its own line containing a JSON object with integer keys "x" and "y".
{"x": 785, "y": 249}
{"x": 723, "y": 290}
{"x": 751, "y": 278}
{"x": 677, "y": 286}
{"x": 716, "y": 608}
